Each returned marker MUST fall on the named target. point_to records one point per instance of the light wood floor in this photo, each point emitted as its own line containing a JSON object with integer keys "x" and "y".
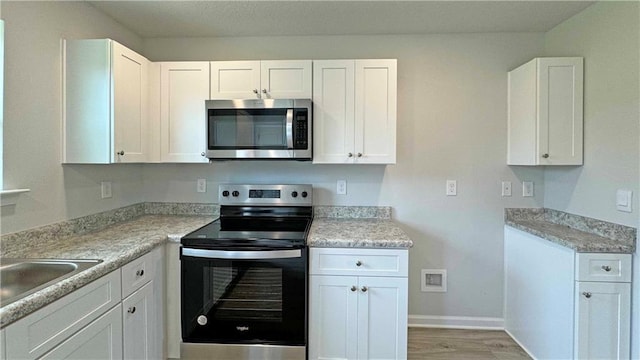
{"x": 454, "y": 344}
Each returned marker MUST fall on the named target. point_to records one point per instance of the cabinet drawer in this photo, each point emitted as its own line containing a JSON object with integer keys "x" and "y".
{"x": 138, "y": 272}
{"x": 33, "y": 336}
{"x": 603, "y": 267}
{"x": 370, "y": 262}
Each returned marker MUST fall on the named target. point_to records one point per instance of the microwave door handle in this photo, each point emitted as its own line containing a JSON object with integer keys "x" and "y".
{"x": 242, "y": 255}
{"x": 289, "y": 128}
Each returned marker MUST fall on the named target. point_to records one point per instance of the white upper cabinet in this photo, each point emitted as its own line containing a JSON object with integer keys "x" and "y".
{"x": 545, "y": 125}
{"x": 277, "y": 79}
{"x": 355, "y": 111}
{"x": 105, "y": 103}
{"x": 184, "y": 87}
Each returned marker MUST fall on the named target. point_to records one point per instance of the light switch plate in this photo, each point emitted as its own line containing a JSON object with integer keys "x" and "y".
{"x": 527, "y": 188}
{"x": 623, "y": 200}
{"x": 105, "y": 188}
{"x": 506, "y": 188}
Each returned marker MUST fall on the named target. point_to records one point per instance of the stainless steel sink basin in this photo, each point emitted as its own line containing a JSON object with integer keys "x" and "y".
{"x": 22, "y": 277}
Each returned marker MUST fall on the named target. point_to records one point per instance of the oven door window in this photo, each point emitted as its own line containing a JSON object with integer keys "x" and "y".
{"x": 244, "y": 301}
{"x": 248, "y": 129}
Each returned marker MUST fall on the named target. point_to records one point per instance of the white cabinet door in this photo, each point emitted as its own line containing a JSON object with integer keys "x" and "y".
{"x": 105, "y": 103}
{"x": 333, "y": 111}
{"x": 382, "y": 318}
{"x": 100, "y": 340}
{"x": 602, "y": 320}
{"x": 235, "y": 80}
{"x": 333, "y": 318}
{"x": 130, "y": 106}
{"x": 138, "y": 313}
{"x": 545, "y": 122}
{"x": 375, "y": 111}
{"x": 184, "y": 87}
{"x": 285, "y": 79}
{"x": 355, "y": 105}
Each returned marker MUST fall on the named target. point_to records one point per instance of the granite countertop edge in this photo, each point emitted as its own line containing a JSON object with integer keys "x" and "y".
{"x": 565, "y": 236}
{"x": 357, "y": 233}
{"x": 114, "y": 257}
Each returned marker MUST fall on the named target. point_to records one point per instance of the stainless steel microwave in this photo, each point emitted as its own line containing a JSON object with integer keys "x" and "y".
{"x": 273, "y": 129}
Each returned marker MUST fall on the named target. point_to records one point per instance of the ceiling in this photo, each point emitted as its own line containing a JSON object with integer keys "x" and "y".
{"x": 155, "y": 19}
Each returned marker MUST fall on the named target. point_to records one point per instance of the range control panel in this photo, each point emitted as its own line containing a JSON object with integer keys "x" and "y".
{"x": 273, "y": 195}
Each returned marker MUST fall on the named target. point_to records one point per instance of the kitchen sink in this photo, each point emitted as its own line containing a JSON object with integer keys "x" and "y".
{"x": 22, "y": 277}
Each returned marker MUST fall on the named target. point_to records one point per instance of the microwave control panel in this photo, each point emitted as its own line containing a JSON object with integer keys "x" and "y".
{"x": 301, "y": 129}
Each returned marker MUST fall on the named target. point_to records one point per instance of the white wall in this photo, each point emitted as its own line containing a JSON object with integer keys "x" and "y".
{"x": 451, "y": 125}
{"x": 607, "y": 34}
{"x": 32, "y": 104}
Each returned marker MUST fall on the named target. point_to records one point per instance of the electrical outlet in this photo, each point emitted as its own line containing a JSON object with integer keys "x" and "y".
{"x": 202, "y": 185}
{"x": 105, "y": 187}
{"x": 527, "y": 188}
{"x": 341, "y": 187}
{"x": 452, "y": 187}
{"x": 506, "y": 188}
{"x": 623, "y": 200}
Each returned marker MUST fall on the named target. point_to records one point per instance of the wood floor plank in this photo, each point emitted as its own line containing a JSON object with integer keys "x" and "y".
{"x": 461, "y": 344}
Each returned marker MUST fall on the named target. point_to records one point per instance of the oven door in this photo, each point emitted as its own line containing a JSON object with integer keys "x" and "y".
{"x": 244, "y": 297}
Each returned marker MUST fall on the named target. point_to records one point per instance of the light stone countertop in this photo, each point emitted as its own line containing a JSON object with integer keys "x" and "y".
{"x": 357, "y": 232}
{"x": 575, "y": 232}
{"x": 116, "y": 245}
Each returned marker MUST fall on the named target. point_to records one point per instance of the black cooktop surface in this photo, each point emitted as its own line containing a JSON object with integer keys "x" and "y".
{"x": 249, "y": 232}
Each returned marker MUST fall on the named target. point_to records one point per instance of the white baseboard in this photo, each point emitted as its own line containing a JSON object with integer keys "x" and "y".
{"x": 456, "y": 322}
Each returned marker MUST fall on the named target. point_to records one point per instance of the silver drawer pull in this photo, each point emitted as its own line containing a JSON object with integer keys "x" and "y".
{"x": 140, "y": 272}
{"x": 364, "y": 289}
{"x": 358, "y": 263}
{"x": 132, "y": 310}
{"x": 354, "y": 288}
{"x": 587, "y": 294}
{"x": 606, "y": 268}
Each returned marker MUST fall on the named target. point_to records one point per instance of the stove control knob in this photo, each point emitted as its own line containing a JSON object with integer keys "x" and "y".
{"x": 225, "y": 193}
{"x": 202, "y": 320}
{"x": 294, "y": 194}
{"x": 235, "y": 193}
{"x": 304, "y": 194}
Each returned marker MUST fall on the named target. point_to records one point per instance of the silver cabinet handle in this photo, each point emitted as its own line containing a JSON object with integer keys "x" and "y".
{"x": 202, "y": 154}
{"x": 587, "y": 294}
{"x": 132, "y": 310}
{"x": 546, "y": 156}
{"x": 140, "y": 272}
{"x": 264, "y": 91}
{"x": 359, "y": 154}
{"x": 350, "y": 154}
{"x": 121, "y": 152}
{"x": 364, "y": 289}
{"x": 606, "y": 268}
{"x": 358, "y": 263}
{"x": 354, "y": 288}
{"x": 255, "y": 91}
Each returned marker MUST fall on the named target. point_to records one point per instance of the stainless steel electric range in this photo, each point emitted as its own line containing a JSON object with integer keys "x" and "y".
{"x": 244, "y": 276}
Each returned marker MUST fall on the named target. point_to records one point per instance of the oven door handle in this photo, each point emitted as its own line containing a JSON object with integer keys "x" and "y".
{"x": 289, "y": 130}
{"x": 242, "y": 255}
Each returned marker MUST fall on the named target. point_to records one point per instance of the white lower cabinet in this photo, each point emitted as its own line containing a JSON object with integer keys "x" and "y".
{"x": 358, "y": 317}
{"x": 138, "y": 327}
{"x": 602, "y": 320}
{"x": 560, "y": 304}
{"x": 102, "y": 339}
{"x": 95, "y": 322}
